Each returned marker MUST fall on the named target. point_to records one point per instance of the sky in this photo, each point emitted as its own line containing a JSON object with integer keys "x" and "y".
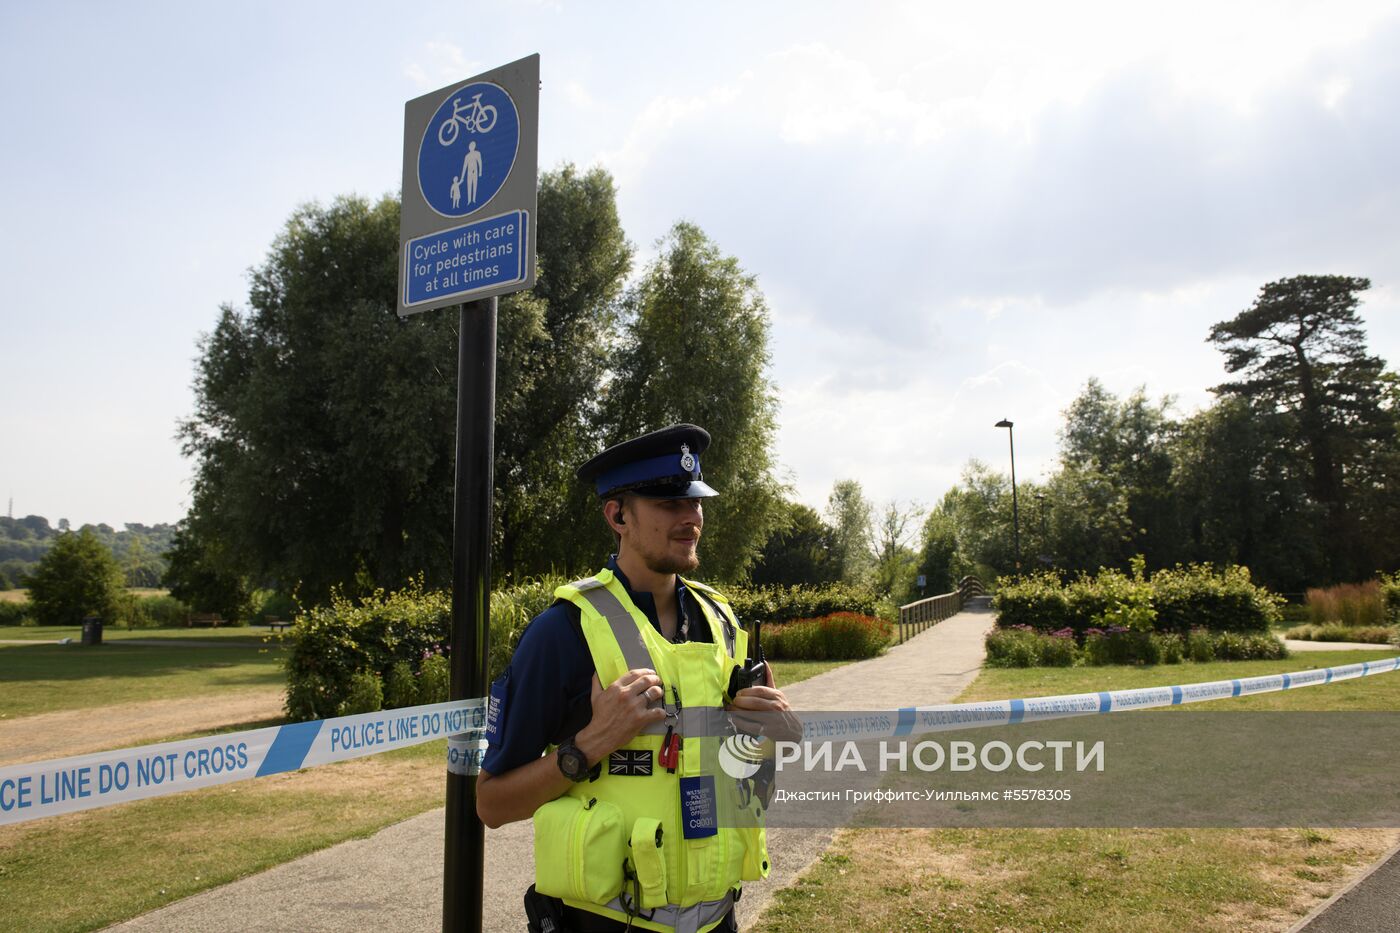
{"x": 957, "y": 213}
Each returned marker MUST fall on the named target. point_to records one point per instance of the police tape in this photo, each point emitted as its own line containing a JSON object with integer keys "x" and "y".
{"x": 919, "y": 720}
{"x": 65, "y": 785}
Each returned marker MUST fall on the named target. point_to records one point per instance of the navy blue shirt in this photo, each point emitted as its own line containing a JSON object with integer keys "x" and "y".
{"x": 544, "y": 696}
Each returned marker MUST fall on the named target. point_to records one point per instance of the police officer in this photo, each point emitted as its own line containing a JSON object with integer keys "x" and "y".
{"x": 595, "y": 728}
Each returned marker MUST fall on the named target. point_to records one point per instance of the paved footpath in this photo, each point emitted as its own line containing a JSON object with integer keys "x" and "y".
{"x": 393, "y": 880}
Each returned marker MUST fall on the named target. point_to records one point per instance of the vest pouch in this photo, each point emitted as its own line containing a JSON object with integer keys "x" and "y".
{"x": 756, "y": 865}
{"x": 649, "y": 860}
{"x": 580, "y": 846}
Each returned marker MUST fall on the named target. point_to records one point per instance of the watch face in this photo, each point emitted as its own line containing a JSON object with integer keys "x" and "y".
{"x": 572, "y": 763}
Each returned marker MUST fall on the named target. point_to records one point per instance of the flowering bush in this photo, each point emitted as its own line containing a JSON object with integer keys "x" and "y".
{"x": 1023, "y": 646}
{"x": 839, "y": 636}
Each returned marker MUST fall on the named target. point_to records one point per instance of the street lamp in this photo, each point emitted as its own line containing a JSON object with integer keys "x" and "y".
{"x": 1015, "y": 510}
{"x": 1044, "y": 540}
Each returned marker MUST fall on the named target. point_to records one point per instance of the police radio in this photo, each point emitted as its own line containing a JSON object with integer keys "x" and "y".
{"x": 754, "y": 671}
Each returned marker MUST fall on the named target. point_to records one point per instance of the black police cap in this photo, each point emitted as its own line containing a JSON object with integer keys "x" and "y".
{"x": 664, "y": 464}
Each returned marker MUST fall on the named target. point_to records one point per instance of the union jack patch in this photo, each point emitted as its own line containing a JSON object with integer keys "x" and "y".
{"x": 631, "y": 762}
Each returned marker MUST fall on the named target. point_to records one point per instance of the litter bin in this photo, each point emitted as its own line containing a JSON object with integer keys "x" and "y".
{"x": 92, "y": 631}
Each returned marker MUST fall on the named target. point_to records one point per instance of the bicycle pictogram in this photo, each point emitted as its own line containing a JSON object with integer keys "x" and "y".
{"x": 476, "y": 117}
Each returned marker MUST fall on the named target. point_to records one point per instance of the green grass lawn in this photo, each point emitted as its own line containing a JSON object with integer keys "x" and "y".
{"x": 42, "y": 678}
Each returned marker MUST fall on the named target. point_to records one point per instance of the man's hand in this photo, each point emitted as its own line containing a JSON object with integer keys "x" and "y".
{"x": 777, "y": 723}
{"x": 620, "y": 712}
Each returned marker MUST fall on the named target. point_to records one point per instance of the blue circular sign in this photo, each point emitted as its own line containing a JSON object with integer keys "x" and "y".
{"x": 468, "y": 149}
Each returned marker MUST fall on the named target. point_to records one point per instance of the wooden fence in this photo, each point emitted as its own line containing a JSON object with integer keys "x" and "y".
{"x": 916, "y": 617}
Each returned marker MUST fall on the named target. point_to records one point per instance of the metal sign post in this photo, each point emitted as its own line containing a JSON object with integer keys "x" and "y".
{"x": 467, "y": 234}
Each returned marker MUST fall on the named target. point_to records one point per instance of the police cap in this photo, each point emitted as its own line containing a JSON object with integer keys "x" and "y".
{"x": 664, "y": 464}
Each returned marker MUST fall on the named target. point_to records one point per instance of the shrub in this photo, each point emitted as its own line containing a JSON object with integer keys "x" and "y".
{"x": 838, "y": 636}
{"x": 366, "y": 695}
{"x": 1198, "y": 595}
{"x": 1170, "y": 648}
{"x": 1371, "y": 634}
{"x": 435, "y": 681}
{"x": 774, "y": 605}
{"x": 276, "y": 605}
{"x": 1350, "y": 604}
{"x": 1174, "y": 600}
{"x": 15, "y": 613}
{"x": 1390, "y": 595}
{"x": 332, "y": 644}
{"x": 400, "y": 686}
{"x": 1022, "y": 646}
{"x": 1200, "y": 647}
{"x": 151, "y": 611}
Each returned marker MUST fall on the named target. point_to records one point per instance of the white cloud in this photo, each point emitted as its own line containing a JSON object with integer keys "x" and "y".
{"x": 443, "y": 63}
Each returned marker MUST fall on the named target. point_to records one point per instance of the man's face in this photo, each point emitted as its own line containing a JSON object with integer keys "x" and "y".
{"x": 663, "y": 532}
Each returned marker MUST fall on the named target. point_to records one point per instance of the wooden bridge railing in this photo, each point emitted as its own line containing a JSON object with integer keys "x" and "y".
{"x": 917, "y": 616}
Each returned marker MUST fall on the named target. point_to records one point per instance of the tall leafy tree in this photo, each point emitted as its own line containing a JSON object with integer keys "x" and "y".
{"x": 852, "y": 529}
{"x": 695, "y": 349}
{"x": 324, "y": 425}
{"x": 1300, "y": 352}
{"x": 76, "y": 578}
{"x": 798, "y": 552}
{"x": 1244, "y": 498}
{"x": 1125, "y": 443}
{"x": 584, "y": 261}
{"x": 896, "y": 562}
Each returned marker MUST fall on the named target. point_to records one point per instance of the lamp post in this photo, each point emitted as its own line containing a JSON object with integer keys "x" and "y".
{"x": 1044, "y": 540}
{"x": 1015, "y": 509}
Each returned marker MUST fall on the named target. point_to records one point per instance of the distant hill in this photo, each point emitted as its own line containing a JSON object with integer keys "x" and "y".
{"x": 139, "y": 549}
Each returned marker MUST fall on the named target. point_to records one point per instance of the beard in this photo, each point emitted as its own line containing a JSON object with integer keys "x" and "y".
{"x": 666, "y": 562}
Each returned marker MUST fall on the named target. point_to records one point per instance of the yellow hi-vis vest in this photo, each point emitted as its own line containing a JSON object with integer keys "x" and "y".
{"x": 619, "y": 846}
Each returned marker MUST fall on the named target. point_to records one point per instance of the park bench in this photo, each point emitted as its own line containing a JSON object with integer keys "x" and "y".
{"x": 275, "y": 624}
{"x": 205, "y": 619}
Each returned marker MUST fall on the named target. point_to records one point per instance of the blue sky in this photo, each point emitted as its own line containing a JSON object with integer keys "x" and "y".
{"x": 956, "y": 215}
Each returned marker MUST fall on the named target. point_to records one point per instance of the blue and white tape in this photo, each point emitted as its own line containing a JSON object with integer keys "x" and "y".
{"x": 65, "y": 785}
{"x": 919, "y": 720}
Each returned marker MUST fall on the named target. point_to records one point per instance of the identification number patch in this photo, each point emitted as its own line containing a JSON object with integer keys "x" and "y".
{"x": 698, "y": 817}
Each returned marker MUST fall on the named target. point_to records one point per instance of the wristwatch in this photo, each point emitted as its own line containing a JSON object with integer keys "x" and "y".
{"x": 574, "y": 763}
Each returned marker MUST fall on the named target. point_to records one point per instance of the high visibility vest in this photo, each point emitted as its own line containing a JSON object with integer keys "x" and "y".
{"x": 635, "y": 842}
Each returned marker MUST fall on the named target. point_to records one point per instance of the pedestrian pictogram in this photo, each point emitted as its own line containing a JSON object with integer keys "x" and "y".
{"x": 468, "y": 149}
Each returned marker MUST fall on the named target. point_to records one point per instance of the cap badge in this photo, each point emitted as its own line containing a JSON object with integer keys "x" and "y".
{"x": 687, "y": 459}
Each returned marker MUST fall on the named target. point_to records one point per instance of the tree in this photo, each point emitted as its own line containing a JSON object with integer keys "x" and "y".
{"x": 1243, "y": 496}
{"x": 849, "y": 513}
{"x": 695, "y": 349}
{"x": 324, "y": 425}
{"x": 554, "y": 417}
{"x": 938, "y": 554}
{"x": 896, "y": 563}
{"x": 78, "y": 577}
{"x": 201, "y": 580}
{"x": 1301, "y": 352}
{"x": 798, "y": 552}
{"x": 1126, "y": 444}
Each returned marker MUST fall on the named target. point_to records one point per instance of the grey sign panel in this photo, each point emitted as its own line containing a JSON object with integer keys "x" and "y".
{"x": 470, "y": 166}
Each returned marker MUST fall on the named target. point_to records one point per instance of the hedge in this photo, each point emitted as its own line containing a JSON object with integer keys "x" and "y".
{"x": 776, "y": 604}
{"x": 398, "y": 640}
{"x": 1173, "y": 600}
{"x": 391, "y": 648}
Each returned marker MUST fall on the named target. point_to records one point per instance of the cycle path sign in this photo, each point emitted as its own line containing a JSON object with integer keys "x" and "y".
{"x": 470, "y": 157}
